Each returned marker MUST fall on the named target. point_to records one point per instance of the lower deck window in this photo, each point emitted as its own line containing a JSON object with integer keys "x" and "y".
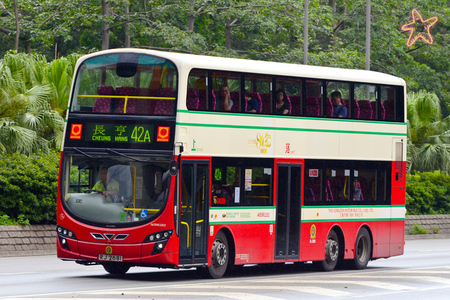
{"x": 347, "y": 182}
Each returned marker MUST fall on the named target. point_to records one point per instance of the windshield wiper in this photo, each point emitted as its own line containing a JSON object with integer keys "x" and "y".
{"x": 124, "y": 155}
{"x": 79, "y": 151}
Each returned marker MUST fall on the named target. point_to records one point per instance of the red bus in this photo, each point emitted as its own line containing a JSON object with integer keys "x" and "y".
{"x": 184, "y": 161}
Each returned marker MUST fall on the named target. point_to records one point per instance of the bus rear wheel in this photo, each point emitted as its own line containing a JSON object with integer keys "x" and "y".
{"x": 219, "y": 256}
{"x": 331, "y": 253}
{"x": 116, "y": 268}
{"x": 363, "y": 248}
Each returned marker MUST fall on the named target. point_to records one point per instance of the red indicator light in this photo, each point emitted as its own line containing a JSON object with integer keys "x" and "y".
{"x": 75, "y": 131}
{"x": 163, "y": 134}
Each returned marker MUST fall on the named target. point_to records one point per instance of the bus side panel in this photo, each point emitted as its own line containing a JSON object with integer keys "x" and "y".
{"x": 254, "y": 243}
{"x": 397, "y": 238}
{"x": 312, "y": 243}
{"x": 313, "y": 247}
{"x": 381, "y": 236}
{"x": 398, "y": 194}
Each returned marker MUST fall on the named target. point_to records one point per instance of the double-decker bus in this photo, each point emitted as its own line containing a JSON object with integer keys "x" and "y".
{"x": 155, "y": 172}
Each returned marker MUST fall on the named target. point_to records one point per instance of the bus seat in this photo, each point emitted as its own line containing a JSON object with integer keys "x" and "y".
{"x": 145, "y": 106}
{"x": 213, "y": 96}
{"x": 103, "y": 105}
{"x": 165, "y": 106}
{"x": 235, "y": 97}
{"x": 330, "y": 108}
{"x": 382, "y": 111}
{"x": 257, "y": 96}
{"x": 296, "y": 105}
{"x": 265, "y": 107}
{"x": 316, "y": 190}
{"x": 356, "y": 110}
{"x": 312, "y": 107}
{"x": 389, "y": 107}
{"x": 192, "y": 99}
{"x": 365, "y": 110}
{"x": 290, "y": 103}
{"x": 202, "y": 100}
{"x": 120, "y": 103}
{"x": 328, "y": 193}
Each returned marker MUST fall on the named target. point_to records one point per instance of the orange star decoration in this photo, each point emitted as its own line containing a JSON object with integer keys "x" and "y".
{"x": 419, "y": 28}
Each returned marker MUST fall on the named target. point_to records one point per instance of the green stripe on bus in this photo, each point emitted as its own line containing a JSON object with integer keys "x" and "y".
{"x": 353, "y": 220}
{"x": 242, "y": 222}
{"x": 288, "y": 117}
{"x": 289, "y": 129}
{"x": 354, "y": 206}
{"x": 242, "y": 207}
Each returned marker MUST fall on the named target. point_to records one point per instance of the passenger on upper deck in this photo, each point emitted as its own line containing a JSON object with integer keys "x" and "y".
{"x": 283, "y": 106}
{"x": 252, "y": 104}
{"x": 340, "y": 111}
{"x": 224, "y": 102}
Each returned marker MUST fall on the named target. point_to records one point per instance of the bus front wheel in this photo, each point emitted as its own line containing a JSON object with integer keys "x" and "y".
{"x": 219, "y": 256}
{"x": 116, "y": 268}
{"x": 331, "y": 253}
{"x": 363, "y": 248}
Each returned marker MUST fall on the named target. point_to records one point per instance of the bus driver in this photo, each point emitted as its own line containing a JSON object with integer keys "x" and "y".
{"x": 107, "y": 185}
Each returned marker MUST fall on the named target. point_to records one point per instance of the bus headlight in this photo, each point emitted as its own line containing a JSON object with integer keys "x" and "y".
{"x": 159, "y": 247}
{"x": 63, "y": 235}
{"x": 158, "y": 236}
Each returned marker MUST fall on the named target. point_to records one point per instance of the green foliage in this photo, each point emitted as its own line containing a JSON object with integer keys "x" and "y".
{"x": 417, "y": 229}
{"x": 29, "y": 187}
{"x": 428, "y": 133}
{"x": 6, "y": 220}
{"x": 428, "y": 193}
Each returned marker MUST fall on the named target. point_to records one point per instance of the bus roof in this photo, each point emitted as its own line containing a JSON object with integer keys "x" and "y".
{"x": 192, "y": 61}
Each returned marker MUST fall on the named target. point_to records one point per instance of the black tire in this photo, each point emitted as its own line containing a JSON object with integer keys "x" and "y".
{"x": 363, "y": 250}
{"x": 331, "y": 253}
{"x": 116, "y": 268}
{"x": 219, "y": 256}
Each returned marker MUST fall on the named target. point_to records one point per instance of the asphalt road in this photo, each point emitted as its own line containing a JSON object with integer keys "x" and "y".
{"x": 423, "y": 272}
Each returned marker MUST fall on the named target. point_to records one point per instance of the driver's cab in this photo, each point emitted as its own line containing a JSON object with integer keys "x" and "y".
{"x": 115, "y": 189}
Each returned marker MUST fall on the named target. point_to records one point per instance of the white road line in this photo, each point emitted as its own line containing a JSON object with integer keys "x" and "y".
{"x": 225, "y": 289}
{"x": 219, "y": 293}
{"x": 369, "y": 283}
{"x": 418, "y": 277}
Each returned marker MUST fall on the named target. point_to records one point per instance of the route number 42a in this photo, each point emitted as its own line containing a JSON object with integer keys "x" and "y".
{"x": 140, "y": 135}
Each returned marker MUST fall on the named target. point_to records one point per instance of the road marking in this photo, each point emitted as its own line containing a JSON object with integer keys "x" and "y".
{"x": 219, "y": 293}
{"x": 369, "y": 283}
{"x": 223, "y": 290}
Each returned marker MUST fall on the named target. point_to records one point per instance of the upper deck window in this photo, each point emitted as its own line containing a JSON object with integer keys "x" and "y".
{"x": 125, "y": 83}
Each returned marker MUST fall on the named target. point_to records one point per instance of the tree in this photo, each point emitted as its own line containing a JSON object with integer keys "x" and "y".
{"x": 428, "y": 134}
{"x": 27, "y": 122}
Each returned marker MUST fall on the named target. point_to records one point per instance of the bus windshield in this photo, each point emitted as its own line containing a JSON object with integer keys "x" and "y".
{"x": 112, "y": 190}
{"x": 125, "y": 83}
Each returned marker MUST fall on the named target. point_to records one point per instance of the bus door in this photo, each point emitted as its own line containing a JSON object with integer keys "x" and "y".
{"x": 194, "y": 202}
{"x": 289, "y": 191}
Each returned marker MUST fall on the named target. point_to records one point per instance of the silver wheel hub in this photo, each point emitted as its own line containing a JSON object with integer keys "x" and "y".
{"x": 333, "y": 249}
{"x": 221, "y": 254}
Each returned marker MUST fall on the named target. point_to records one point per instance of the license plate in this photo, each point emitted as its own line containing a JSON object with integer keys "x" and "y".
{"x": 109, "y": 257}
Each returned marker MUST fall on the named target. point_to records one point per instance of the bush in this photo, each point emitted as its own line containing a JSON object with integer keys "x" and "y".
{"x": 417, "y": 229}
{"x": 28, "y": 187}
{"x": 428, "y": 193}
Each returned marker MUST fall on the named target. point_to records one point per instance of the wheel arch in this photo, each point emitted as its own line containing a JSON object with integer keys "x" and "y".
{"x": 231, "y": 245}
{"x": 367, "y": 227}
{"x": 341, "y": 237}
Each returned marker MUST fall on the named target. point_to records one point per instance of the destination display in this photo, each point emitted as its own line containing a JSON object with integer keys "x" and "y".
{"x": 119, "y": 133}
